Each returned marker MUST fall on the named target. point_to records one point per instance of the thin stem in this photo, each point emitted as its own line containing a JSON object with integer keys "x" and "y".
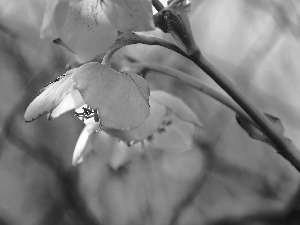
{"x": 284, "y": 146}
{"x": 106, "y": 59}
{"x": 130, "y": 38}
{"x": 192, "y": 82}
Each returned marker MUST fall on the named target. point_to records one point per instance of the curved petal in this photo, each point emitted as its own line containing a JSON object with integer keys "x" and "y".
{"x": 134, "y": 15}
{"x": 71, "y": 101}
{"x": 151, "y": 124}
{"x": 50, "y": 97}
{"x": 177, "y": 106}
{"x": 54, "y": 18}
{"x": 83, "y": 145}
{"x": 121, "y": 98}
{"x": 81, "y": 25}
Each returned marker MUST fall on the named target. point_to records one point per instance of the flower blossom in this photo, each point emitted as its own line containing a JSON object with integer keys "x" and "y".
{"x": 171, "y": 126}
{"x": 119, "y": 105}
{"x": 120, "y": 98}
{"x": 88, "y": 28}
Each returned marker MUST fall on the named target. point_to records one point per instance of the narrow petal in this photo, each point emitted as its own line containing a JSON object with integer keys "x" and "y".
{"x": 83, "y": 145}
{"x": 50, "y": 97}
{"x": 121, "y": 98}
{"x": 134, "y": 15}
{"x": 177, "y": 106}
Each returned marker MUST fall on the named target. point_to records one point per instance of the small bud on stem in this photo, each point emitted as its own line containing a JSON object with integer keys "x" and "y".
{"x": 174, "y": 20}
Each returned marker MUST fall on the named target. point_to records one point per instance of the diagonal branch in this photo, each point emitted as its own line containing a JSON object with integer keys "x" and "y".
{"x": 192, "y": 82}
{"x": 283, "y": 145}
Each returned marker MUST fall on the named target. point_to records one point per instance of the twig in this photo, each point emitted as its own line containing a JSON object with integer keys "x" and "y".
{"x": 283, "y": 146}
{"x": 192, "y": 82}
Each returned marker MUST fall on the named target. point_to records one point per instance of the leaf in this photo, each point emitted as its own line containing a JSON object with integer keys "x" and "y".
{"x": 157, "y": 114}
{"x": 81, "y": 25}
{"x": 50, "y": 97}
{"x": 177, "y": 106}
{"x": 134, "y": 15}
{"x": 175, "y": 135}
{"x": 121, "y": 98}
{"x": 254, "y": 132}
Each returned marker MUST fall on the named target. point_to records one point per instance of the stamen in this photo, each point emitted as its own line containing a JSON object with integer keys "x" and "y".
{"x": 88, "y": 112}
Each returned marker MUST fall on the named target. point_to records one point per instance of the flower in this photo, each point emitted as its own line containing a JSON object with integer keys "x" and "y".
{"x": 120, "y": 98}
{"x": 88, "y": 28}
{"x": 171, "y": 126}
{"x": 119, "y": 104}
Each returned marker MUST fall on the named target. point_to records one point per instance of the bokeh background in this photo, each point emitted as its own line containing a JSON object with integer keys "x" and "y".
{"x": 227, "y": 178}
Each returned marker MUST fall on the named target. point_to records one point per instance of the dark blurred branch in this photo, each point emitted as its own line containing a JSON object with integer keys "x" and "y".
{"x": 286, "y": 215}
{"x": 192, "y": 82}
{"x": 283, "y": 145}
{"x": 182, "y": 28}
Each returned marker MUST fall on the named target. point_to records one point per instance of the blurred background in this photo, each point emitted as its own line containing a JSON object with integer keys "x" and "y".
{"x": 227, "y": 178}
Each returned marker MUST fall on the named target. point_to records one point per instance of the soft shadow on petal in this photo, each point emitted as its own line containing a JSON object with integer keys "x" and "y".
{"x": 71, "y": 101}
{"x": 151, "y": 124}
{"x": 54, "y": 18}
{"x": 176, "y": 136}
{"x": 87, "y": 31}
{"x": 177, "y": 106}
{"x": 134, "y": 15}
{"x": 121, "y": 98}
{"x": 50, "y": 97}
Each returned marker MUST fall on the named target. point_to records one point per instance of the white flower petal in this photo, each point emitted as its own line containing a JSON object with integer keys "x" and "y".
{"x": 81, "y": 25}
{"x": 157, "y": 115}
{"x": 71, "y": 101}
{"x": 134, "y": 15}
{"x": 54, "y": 18}
{"x": 83, "y": 145}
{"x": 50, "y": 97}
{"x": 177, "y": 106}
{"x": 121, "y": 98}
{"x": 178, "y": 136}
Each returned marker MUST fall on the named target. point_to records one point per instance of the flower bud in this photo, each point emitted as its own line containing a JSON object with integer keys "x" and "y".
{"x": 174, "y": 20}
